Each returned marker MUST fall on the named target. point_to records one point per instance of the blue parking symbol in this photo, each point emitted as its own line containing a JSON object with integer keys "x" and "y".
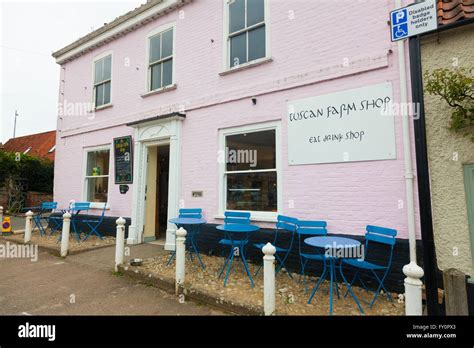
{"x": 399, "y": 17}
{"x": 400, "y": 31}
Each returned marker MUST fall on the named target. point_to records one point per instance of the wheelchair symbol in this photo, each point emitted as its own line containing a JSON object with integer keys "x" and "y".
{"x": 400, "y": 31}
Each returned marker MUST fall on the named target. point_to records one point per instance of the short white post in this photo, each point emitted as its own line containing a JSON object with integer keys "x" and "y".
{"x": 1, "y": 214}
{"x": 269, "y": 279}
{"x": 119, "y": 242}
{"x": 65, "y": 234}
{"x": 28, "y": 226}
{"x": 413, "y": 289}
{"x": 180, "y": 258}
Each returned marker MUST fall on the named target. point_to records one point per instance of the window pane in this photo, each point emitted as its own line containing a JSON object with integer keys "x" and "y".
{"x": 98, "y": 71}
{"x": 107, "y": 93}
{"x": 97, "y": 189}
{"x": 253, "y": 191}
{"x": 236, "y": 16}
{"x": 155, "y": 48}
{"x": 255, "y": 12}
{"x": 107, "y": 68}
{"x": 251, "y": 151}
{"x": 167, "y": 49}
{"x": 97, "y": 163}
{"x": 167, "y": 72}
{"x": 99, "y": 95}
{"x": 155, "y": 76}
{"x": 238, "y": 50}
{"x": 257, "y": 43}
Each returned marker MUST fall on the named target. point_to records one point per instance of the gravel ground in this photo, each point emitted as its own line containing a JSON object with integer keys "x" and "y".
{"x": 291, "y": 298}
{"x": 52, "y": 241}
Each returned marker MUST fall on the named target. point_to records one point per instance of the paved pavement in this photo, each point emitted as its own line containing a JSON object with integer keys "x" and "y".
{"x": 83, "y": 284}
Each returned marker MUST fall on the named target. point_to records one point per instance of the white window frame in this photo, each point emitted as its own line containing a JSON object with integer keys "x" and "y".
{"x": 154, "y": 32}
{"x": 95, "y": 60}
{"x": 95, "y": 205}
{"x": 223, "y": 133}
{"x": 226, "y": 40}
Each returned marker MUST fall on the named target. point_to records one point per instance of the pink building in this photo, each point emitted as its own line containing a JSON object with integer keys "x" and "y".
{"x": 273, "y": 107}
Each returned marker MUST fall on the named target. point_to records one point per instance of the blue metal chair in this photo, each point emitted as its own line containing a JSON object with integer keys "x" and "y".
{"x": 40, "y": 212}
{"x": 233, "y": 217}
{"x": 306, "y": 229}
{"x": 192, "y": 233}
{"x": 374, "y": 234}
{"x": 75, "y": 209}
{"x": 94, "y": 224}
{"x": 285, "y": 226}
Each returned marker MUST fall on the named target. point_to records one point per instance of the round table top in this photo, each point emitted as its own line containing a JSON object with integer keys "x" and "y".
{"x": 331, "y": 242}
{"x": 238, "y": 228}
{"x": 187, "y": 221}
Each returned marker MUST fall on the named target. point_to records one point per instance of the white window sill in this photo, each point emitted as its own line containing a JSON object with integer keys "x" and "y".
{"x": 248, "y": 65}
{"x": 160, "y": 90}
{"x": 102, "y": 107}
{"x": 269, "y": 217}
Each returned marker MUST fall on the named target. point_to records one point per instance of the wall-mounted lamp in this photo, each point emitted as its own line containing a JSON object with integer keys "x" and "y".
{"x": 254, "y": 100}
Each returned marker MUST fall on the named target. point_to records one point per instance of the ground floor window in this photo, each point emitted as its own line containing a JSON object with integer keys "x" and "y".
{"x": 97, "y": 175}
{"x": 250, "y": 171}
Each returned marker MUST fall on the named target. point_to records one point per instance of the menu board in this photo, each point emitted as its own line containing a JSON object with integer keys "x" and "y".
{"x": 123, "y": 160}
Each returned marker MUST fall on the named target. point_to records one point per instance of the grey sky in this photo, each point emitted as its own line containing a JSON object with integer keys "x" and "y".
{"x": 29, "y": 77}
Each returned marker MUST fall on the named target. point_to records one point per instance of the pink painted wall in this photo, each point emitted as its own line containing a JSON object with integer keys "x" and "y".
{"x": 309, "y": 48}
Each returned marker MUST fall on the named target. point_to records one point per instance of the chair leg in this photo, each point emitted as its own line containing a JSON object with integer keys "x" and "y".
{"x": 380, "y": 287}
{"x": 229, "y": 267}
{"x": 194, "y": 247}
{"x": 172, "y": 256}
{"x": 246, "y": 267}
{"x": 320, "y": 280}
{"x": 352, "y": 281}
{"x": 349, "y": 288}
{"x": 258, "y": 270}
{"x": 225, "y": 263}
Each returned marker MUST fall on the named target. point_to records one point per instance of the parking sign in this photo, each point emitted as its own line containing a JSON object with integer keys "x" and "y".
{"x": 413, "y": 20}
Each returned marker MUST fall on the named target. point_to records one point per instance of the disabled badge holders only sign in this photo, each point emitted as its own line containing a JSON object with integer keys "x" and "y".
{"x": 413, "y": 20}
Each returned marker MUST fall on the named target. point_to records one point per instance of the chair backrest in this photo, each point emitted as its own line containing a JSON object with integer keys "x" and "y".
{"x": 381, "y": 235}
{"x": 81, "y": 206}
{"x": 285, "y": 224}
{"x": 235, "y": 217}
{"x": 49, "y": 205}
{"x": 312, "y": 228}
{"x": 195, "y": 213}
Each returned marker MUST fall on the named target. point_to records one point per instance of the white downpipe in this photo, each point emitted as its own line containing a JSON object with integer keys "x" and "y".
{"x": 413, "y": 284}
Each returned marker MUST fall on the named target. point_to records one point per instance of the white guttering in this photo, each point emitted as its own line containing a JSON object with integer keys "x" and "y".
{"x": 413, "y": 284}
{"x": 125, "y": 27}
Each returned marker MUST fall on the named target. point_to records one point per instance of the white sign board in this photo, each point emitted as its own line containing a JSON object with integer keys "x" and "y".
{"x": 413, "y": 20}
{"x": 347, "y": 126}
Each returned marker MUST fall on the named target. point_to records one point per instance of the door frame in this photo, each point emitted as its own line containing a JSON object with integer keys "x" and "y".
{"x": 155, "y": 133}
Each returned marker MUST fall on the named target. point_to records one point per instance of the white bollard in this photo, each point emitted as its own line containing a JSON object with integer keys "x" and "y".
{"x": 65, "y": 234}
{"x": 28, "y": 226}
{"x": 413, "y": 289}
{"x": 269, "y": 279}
{"x": 119, "y": 242}
{"x": 180, "y": 258}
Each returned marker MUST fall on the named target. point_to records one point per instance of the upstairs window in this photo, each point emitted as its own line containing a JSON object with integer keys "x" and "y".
{"x": 160, "y": 61}
{"x": 246, "y": 33}
{"x": 102, "y": 81}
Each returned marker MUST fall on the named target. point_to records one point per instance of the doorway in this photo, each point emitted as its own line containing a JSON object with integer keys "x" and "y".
{"x": 156, "y": 193}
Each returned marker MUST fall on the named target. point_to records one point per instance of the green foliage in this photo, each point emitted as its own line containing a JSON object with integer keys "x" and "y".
{"x": 38, "y": 172}
{"x": 456, "y": 87}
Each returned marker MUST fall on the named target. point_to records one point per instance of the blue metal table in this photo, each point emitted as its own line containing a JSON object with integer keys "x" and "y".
{"x": 332, "y": 247}
{"x": 241, "y": 231}
{"x": 191, "y": 225}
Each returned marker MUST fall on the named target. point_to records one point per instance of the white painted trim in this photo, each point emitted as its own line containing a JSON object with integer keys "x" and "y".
{"x": 86, "y": 150}
{"x": 150, "y": 34}
{"x": 153, "y": 133}
{"x": 134, "y": 22}
{"x": 98, "y": 57}
{"x": 257, "y": 127}
{"x": 226, "y": 42}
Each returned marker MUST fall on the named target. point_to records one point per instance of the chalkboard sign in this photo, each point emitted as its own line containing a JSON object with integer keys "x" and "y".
{"x": 123, "y": 160}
